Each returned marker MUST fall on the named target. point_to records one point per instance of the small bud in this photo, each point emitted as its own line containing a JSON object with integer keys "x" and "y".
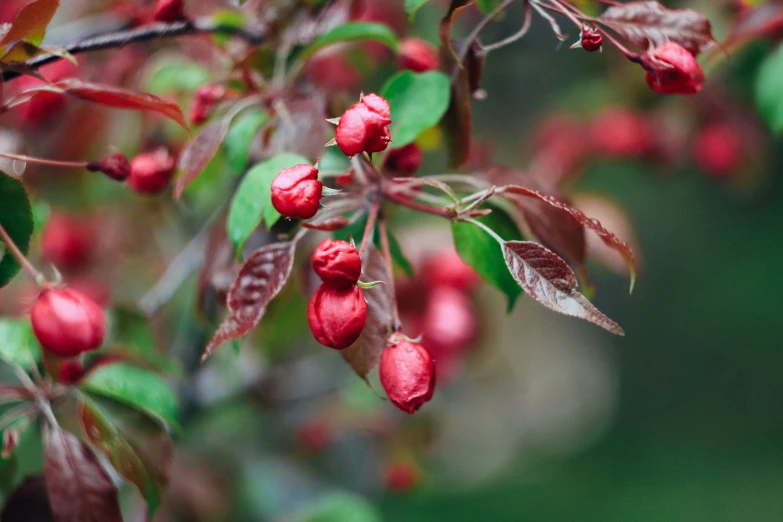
{"x": 400, "y": 477}
{"x": 336, "y": 316}
{"x": 67, "y": 241}
{"x": 672, "y": 69}
{"x": 363, "y": 127}
{"x": 204, "y": 100}
{"x": 718, "y": 150}
{"x": 296, "y": 191}
{"x": 67, "y": 323}
{"x": 71, "y": 371}
{"x": 151, "y": 172}
{"x": 169, "y": 11}
{"x": 115, "y": 166}
{"x": 404, "y": 160}
{"x": 418, "y": 56}
{"x": 591, "y": 39}
{"x": 407, "y": 373}
{"x": 337, "y": 263}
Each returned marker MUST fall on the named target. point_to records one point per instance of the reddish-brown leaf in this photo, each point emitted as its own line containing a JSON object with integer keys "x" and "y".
{"x": 550, "y": 281}
{"x": 260, "y": 279}
{"x": 80, "y": 490}
{"x": 761, "y": 20}
{"x": 444, "y": 31}
{"x": 31, "y": 22}
{"x": 120, "y": 98}
{"x": 648, "y": 23}
{"x": 199, "y": 152}
{"x": 510, "y": 191}
{"x": 365, "y": 353}
{"x": 29, "y": 502}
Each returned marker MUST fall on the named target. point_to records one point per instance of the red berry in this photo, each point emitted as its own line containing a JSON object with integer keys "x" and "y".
{"x": 67, "y": 241}
{"x": 591, "y": 39}
{"x": 718, "y": 150}
{"x": 71, "y": 371}
{"x": 450, "y": 324}
{"x": 618, "y": 132}
{"x": 400, "y": 477}
{"x": 418, "y": 55}
{"x": 151, "y": 172}
{"x": 337, "y": 316}
{"x": 337, "y": 263}
{"x": 296, "y": 191}
{"x": 115, "y": 166}
{"x": 314, "y": 435}
{"x": 672, "y": 69}
{"x": 404, "y": 160}
{"x": 204, "y": 99}
{"x": 169, "y": 11}
{"x": 447, "y": 269}
{"x": 377, "y": 105}
{"x": 407, "y": 373}
{"x": 363, "y": 127}
{"x": 67, "y": 322}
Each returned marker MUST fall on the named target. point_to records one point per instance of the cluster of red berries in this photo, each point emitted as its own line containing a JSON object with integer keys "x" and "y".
{"x": 364, "y": 126}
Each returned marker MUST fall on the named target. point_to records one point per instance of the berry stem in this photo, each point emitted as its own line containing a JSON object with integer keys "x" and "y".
{"x": 37, "y": 276}
{"x": 369, "y": 228}
{"x": 516, "y": 36}
{"x": 396, "y": 324}
{"x": 42, "y": 161}
{"x": 445, "y": 213}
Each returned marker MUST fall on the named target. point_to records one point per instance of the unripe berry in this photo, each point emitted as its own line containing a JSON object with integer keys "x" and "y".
{"x": 418, "y": 55}
{"x": 296, "y": 191}
{"x": 169, "y": 11}
{"x": 67, "y": 241}
{"x": 337, "y": 263}
{"x": 204, "y": 99}
{"x": 363, "y": 127}
{"x": 718, "y": 150}
{"x": 672, "y": 69}
{"x": 591, "y": 39}
{"x": 115, "y": 166}
{"x": 337, "y": 316}
{"x": 71, "y": 371}
{"x": 404, "y": 160}
{"x": 447, "y": 269}
{"x": 400, "y": 477}
{"x": 151, "y": 172}
{"x": 407, "y": 373}
{"x": 67, "y": 323}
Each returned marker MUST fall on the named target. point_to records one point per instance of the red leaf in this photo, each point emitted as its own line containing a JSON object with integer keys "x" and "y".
{"x": 764, "y": 19}
{"x": 200, "y": 152}
{"x": 31, "y": 22}
{"x": 120, "y": 98}
{"x": 79, "y": 488}
{"x": 260, "y": 279}
{"x": 549, "y": 280}
{"x": 444, "y": 31}
{"x": 649, "y": 23}
{"x": 365, "y": 353}
{"x": 593, "y": 224}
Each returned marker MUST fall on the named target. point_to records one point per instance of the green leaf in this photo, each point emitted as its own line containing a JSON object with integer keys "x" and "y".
{"x": 174, "y": 74}
{"x": 252, "y": 200}
{"x": 136, "y": 387}
{"x": 418, "y": 101}
{"x": 16, "y": 217}
{"x": 132, "y": 336}
{"x": 18, "y": 344}
{"x": 240, "y": 137}
{"x": 397, "y": 255}
{"x": 136, "y": 445}
{"x": 340, "y": 507}
{"x": 483, "y": 253}
{"x": 353, "y": 32}
{"x": 769, "y": 90}
{"x": 411, "y": 6}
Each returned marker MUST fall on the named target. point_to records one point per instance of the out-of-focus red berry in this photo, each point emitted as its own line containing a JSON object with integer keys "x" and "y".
{"x": 450, "y": 323}
{"x": 151, "y": 172}
{"x": 331, "y": 69}
{"x": 407, "y": 372}
{"x": 401, "y": 477}
{"x": 337, "y": 316}
{"x": 71, "y": 371}
{"x": 314, "y": 435}
{"x": 619, "y": 132}
{"x": 672, "y": 69}
{"x": 204, "y": 100}
{"x": 337, "y": 263}
{"x": 296, "y": 191}
{"x": 418, "y": 55}
{"x": 44, "y": 105}
{"x": 718, "y": 150}
{"x": 169, "y": 11}
{"x": 67, "y": 240}
{"x": 447, "y": 269}
{"x": 67, "y": 322}
{"x": 404, "y": 160}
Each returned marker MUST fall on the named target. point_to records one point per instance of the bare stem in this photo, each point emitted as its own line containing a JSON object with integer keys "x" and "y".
{"x": 516, "y": 36}
{"x": 445, "y": 213}
{"x": 463, "y": 52}
{"x": 396, "y": 324}
{"x": 42, "y": 161}
{"x": 369, "y": 228}
{"x": 37, "y": 276}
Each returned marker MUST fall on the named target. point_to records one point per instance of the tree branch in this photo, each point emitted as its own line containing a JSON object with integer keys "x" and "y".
{"x": 116, "y": 39}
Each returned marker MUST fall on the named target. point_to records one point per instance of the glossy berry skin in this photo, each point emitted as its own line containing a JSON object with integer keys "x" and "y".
{"x": 418, "y": 56}
{"x": 404, "y": 160}
{"x": 71, "y": 371}
{"x": 169, "y": 11}
{"x": 337, "y": 316}
{"x": 672, "y": 69}
{"x": 204, "y": 99}
{"x": 115, "y": 166}
{"x": 363, "y": 127}
{"x": 337, "y": 263}
{"x": 67, "y": 241}
{"x": 151, "y": 172}
{"x": 296, "y": 191}
{"x": 407, "y": 373}
{"x": 67, "y": 323}
{"x": 591, "y": 40}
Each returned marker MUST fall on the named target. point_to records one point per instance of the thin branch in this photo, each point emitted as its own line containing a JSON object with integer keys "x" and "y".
{"x": 396, "y": 324}
{"x": 514, "y": 37}
{"x": 42, "y": 161}
{"x": 446, "y": 213}
{"x": 145, "y": 33}
{"x": 369, "y": 228}
{"x": 463, "y": 52}
{"x": 37, "y": 276}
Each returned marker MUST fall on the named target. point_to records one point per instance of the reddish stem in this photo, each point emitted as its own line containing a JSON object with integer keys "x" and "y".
{"x": 20, "y": 257}
{"x": 445, "y": 213}
{"x": 369, "y": 228}
{"x": 396, "y": 323}
{"x": 41, "y": 161}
